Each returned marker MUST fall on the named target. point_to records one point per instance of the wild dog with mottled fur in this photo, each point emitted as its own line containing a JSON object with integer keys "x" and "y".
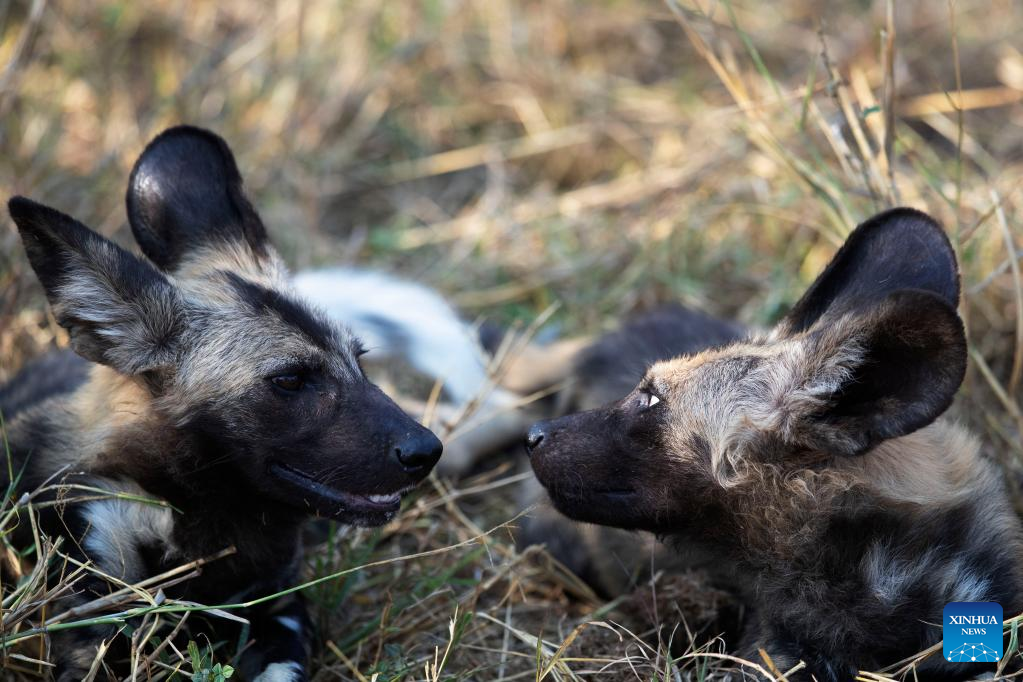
{"x": 212, "y": 388}
{"x": 813, "y": 461}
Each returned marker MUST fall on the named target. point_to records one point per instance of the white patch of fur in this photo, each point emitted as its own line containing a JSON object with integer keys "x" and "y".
{"x": 886, "y": 575}
{"x": 397, "y": 318}
{"x": 290, "y": 623}
{"x": 962, "y": 584}
{"x": 285, "y": 671}
{"x": 889, "y": 576}
{"x": 119, "y": 527}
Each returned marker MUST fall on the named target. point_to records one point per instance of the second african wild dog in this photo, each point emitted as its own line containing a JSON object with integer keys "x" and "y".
{"x": 813, "y": 461}
{"x": 212, "y": 388}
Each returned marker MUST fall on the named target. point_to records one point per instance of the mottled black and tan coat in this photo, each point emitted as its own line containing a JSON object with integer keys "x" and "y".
{"x": 813, "y": 462}
{"x": 203, "y": 382}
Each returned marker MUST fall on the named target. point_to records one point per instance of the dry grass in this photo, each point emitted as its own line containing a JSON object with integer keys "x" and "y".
{"x": 603, "y": 155}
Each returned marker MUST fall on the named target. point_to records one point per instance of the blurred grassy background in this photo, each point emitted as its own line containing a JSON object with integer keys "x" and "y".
{"x": 606, "y": 155}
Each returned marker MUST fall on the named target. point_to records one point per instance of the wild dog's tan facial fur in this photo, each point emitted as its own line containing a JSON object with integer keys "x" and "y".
{"x": 108, "y": 406}
{"x": 810, "y": 459}
{"x": 216, "y": 391}
{"x": 219, "y": 366}
{"x": 200, "y": 271}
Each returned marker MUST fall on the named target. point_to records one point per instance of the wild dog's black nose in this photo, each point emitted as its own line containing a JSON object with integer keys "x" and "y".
{"x": 419, "y": 451}
{"x": 536, "y": 434}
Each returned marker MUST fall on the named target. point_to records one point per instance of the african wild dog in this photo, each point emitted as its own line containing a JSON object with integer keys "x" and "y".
{"x": 212, "y": 388}
{"x": 812, "y": 460}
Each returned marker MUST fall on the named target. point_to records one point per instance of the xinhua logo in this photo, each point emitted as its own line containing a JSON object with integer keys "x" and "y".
{"x": 972, "y": 632}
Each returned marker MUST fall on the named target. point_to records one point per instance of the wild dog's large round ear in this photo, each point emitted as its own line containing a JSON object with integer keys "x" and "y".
{"x": 876, "y": 372}
{"x": 185, "y": 192}
{"x": 118, "y": 309}
{"x": 898, "y": 249}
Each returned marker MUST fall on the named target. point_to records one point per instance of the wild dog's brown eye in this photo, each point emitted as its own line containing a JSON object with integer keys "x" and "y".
{"x": 287, "y": 382}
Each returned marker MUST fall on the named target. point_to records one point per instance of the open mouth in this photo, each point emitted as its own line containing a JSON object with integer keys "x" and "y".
{"x": 332, "y": 501}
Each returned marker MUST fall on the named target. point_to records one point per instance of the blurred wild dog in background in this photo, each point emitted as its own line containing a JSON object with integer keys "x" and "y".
{"x": 812, "y": 462}
{"x": 201, "y": 381}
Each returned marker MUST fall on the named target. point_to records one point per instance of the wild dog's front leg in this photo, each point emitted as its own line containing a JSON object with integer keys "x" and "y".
{"x": 786, "y": 653}
{"x": 281, "y": 630}
{"x": 108, "y": 534}
{"x": 74, "y": 651}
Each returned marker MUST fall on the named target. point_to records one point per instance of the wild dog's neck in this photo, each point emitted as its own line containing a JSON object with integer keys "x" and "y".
{"x": 939, "y": 464}
{"x": 774, "y": 513}
{"x": 120, "y": 434}
{"x": 110, "y": 420}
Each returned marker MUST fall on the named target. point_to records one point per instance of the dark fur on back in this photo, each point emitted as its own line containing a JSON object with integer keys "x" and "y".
{"x": 53, "y": 374}
{"x": 610, "y": 367}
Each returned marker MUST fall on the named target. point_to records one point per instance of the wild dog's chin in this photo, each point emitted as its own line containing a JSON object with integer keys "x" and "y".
{"x": 357, "y": 509}
{"x": 617, "y": 507}
{"x": 582, "y": 496}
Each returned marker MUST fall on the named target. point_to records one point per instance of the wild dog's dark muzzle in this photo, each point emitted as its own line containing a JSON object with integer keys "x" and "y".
{"x": 536, "y": 435}
{"x": 580, "y": 461}
{"x": 356, "y": 461}
{"x": 565, "y": 433}
{"x": 418, "y": 452}
{"x": 402, "y": 440}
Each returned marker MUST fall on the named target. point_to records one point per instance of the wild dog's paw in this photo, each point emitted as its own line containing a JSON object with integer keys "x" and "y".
{"x": 282, "y": 671}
